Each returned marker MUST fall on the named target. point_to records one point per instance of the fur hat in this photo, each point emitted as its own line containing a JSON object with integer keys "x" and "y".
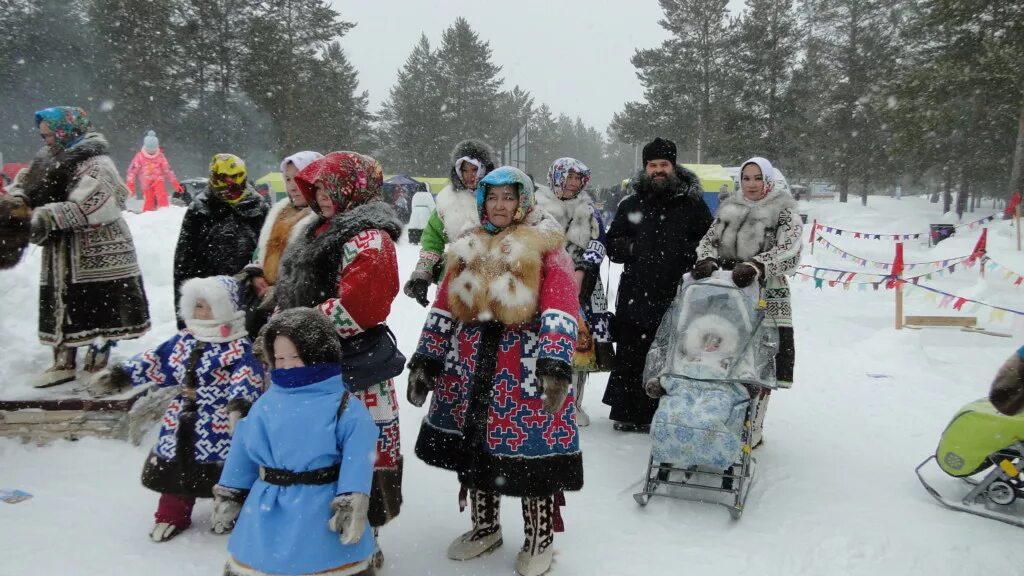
{"x": 150, "y": 143}
{"x": 474, "y": 149}
{"x": 220, "y": 292}
{"x": 660, "y": 149}
{"x": 1007, "y": 392}
{"x": 309, "y": 330}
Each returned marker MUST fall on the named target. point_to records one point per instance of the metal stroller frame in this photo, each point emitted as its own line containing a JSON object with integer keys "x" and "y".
{"x": 736, "y": 480}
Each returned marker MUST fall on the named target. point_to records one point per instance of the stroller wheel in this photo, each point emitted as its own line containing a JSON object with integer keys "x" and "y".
{"x": 1001, "y": 493}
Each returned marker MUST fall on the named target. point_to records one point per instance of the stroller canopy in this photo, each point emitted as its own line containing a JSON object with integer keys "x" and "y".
{"x": 714, "y": 330}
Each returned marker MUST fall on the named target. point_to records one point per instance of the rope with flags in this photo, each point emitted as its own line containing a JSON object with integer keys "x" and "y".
{"x": 861, "y": 261}
{"x": 895, "y": 237}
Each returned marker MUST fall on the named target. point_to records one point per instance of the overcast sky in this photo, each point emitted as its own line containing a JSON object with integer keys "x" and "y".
{"x": 572, "y": 55}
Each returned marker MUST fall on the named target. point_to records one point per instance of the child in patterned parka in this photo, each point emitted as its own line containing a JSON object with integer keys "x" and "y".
{"x": 212, "y": 364}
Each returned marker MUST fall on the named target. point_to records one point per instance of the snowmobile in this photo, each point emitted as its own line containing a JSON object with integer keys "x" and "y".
{"x": 980, "y": 439}
{"x": 711, "y": 363}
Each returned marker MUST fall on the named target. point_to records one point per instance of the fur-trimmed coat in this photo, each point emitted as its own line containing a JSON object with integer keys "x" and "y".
{"x": 585, "y": 242}
{"x": 655, "y": 237}
{"x": 505, "y": 314}
{"x": 767, "y": 231}
{"x": 347, "y": 268}
{"x": 283, "y": 224}
{"x": 455, "y": 213}
{"x": 91, "y": 284}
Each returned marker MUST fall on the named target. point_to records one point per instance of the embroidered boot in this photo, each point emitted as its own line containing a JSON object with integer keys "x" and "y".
{"x": 97, "y": 356}
{"x": 63, "y": 369}
{"x": 485, "y": 508}
{"x": 582, "y": 419}
{"x": 538, "y": 523}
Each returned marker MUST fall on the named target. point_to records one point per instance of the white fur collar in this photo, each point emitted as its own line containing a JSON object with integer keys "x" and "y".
{"x": 216, "y": 331}
{"x": 741, "y": 224}
{"x": 457, "y": 211}
{"x": 576, "y": 215}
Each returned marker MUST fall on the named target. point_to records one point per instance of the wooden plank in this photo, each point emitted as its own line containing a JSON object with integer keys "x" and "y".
{"x": 942, "y": 320}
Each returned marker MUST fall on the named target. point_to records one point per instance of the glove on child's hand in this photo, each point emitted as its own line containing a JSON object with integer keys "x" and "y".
{"x": 227, "y": 505}
{"x": 555, "y": 390}
{"x": 349, "y": 519}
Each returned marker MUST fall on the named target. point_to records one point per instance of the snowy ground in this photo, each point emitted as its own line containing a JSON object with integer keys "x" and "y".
{"x": 836, "y": 494}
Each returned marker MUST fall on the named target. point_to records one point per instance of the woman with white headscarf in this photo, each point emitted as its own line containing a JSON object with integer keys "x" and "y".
{"x": 757, "y": 235}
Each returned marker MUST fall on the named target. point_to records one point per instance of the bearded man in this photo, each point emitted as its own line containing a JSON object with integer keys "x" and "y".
{"x": 654, "y": 234}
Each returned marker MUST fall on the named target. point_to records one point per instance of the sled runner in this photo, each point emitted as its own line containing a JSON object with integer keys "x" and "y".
{"x": 980, "y": 439}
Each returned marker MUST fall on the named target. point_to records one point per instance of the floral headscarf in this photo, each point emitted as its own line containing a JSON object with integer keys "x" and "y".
{"x": 560, "y": 169}
{"x": 350, "y": 178}
{"x": 69, "y": 124}
{"x": 505, "y": 176}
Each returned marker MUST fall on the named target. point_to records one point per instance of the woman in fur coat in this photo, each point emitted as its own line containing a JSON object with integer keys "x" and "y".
{"x": 345, "y": 265}
{"x": 757, "y": 235}
{"x": 455, "y": 214}
{"x": 69, "y": 201}
{"x": 567, "y": 200}
{"x": 221, "y": 226}
{"x": 287, "y": 219}
{"x": 497, "y": 351}
{"x": 211, "y": 364}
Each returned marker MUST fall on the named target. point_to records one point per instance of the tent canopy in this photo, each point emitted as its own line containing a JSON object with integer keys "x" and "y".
{"x": 274, "y": 181}
{"x": 712, "y": 178}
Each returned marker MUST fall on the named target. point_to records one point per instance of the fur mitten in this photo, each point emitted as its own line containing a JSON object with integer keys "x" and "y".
{"x": 41, "y": 226}
{"x": 654, "y": 388}
{"x": 745, "y": 273}
{"x": 1007, "y": 392}
{"x": 554, "y": 379}
{"x": 349, "y": 519}
{"x": 704, "y": 269}
{"x": 227, "y": 505}
{"x": 109, "y": 381}
{"x": 15, "y": 226}
{"x": 416, "y": 288}
{"x": 423, "y": 373}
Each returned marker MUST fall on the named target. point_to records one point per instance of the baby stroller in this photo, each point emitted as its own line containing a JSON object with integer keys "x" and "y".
{"x": 712, "y": 357}
{"x": 979, "y": 438}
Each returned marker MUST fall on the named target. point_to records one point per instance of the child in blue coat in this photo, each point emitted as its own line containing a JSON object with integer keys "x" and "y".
{"x": 217, "y": 377}
{"x": 296, "y": 484}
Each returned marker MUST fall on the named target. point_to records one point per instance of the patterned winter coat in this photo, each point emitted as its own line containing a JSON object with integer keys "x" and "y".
{"x": 91, "y": 284}
{"x": 767, "y": 231}
{"x": 486, "y": 419}
{"x": 585, "y": 242}
{"x": 348, "y": 269}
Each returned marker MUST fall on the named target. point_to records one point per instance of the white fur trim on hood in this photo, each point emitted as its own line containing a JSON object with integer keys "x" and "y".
{"x": 221, "y": 293}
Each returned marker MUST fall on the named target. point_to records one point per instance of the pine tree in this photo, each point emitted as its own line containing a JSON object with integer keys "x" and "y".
{"x": 470, "y": 85}
{"x": 411, "y": 119}
{"x": 686, "y": 81}
{"x": 765, "y": 54}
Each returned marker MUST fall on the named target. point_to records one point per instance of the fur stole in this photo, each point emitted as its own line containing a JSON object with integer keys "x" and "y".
{"x": 284, "y": 223}
{"x": 50, "y": 176}
{"x": 457, "y": 211}
{"x": 742, "y": 226}
{"x": 309, "y": 269}
{"x": 498, "y": 277}
{"x": 576, "y": 215}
